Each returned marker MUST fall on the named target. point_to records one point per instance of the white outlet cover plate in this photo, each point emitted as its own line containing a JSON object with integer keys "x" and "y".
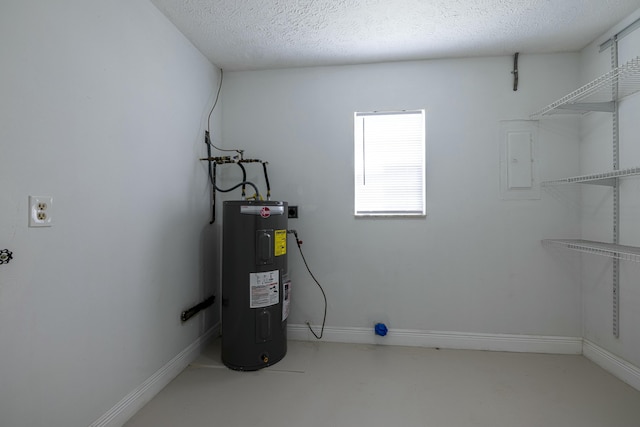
{"x": 40, "y": 211}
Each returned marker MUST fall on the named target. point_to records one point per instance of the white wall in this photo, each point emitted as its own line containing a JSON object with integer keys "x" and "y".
{"x": 596, "y": 155}
{"x": 475, "y": 264}
{"x": 103, "y": 107}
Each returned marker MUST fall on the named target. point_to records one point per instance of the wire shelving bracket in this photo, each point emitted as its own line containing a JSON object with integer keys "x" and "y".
{"x": 604, "y": 178}
{"x": 597, "y": 94}
{"x": 603, "y": 94}
{"x": 610, "y": 250}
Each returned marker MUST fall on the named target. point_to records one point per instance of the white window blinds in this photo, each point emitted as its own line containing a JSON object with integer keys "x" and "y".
{"x": 389, "y": 163}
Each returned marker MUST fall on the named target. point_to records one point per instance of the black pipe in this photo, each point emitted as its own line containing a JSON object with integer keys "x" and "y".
{"x": 213, "y": 195}
{"x": 266, "y": 178}
{"x": 244, "y": 179}
{"x": 264, "y": 167}
{"x": 212, "y": 176}
{"x": 238, "y": 185}
{"x": 188, "y": 314}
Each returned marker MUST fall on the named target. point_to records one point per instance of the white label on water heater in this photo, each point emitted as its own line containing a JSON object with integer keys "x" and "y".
{"x": 265, "y": 289}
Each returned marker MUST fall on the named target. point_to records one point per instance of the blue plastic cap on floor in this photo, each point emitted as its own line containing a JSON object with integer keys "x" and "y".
{"x": 381, "y": 329}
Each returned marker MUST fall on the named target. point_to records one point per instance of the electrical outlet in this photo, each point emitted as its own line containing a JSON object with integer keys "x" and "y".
{"x": 292, "y": 212}
{"x": 40, "y": 211}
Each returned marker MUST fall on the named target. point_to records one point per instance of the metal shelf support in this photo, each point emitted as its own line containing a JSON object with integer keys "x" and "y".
{"x": 604, "y": 178}
{"x": 616, "y": 189}
{"x": 609, "y": 250}
{"x": 604, "y": 94}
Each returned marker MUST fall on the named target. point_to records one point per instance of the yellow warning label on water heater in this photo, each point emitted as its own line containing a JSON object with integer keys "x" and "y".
{"x": 281, "y": 242}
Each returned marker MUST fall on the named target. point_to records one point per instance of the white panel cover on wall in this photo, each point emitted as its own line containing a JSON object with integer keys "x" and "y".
{"x": 518, "y": 163}
{"x": 519, "y": 169}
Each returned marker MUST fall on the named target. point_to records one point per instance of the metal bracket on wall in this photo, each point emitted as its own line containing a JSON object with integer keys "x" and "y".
{"x": 515, "y": 71}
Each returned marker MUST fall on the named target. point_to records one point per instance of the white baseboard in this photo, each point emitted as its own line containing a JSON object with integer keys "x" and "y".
{"x": 610, "y": 362}
{"x": 134, "y": 401}
{"x": 438, "y": 339}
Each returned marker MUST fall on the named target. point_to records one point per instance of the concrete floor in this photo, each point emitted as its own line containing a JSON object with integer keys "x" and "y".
{"x": 329, "y": 384}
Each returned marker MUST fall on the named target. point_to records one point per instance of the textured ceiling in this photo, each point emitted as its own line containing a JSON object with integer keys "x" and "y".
{"x": 262, "y": 34}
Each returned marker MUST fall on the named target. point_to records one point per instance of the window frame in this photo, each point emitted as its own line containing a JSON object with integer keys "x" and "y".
{"x": 360, "y": 166}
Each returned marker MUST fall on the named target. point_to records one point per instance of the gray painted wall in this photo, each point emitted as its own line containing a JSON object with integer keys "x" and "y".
{"x": 475, "y": 263}
{"x": 103, "y": 107}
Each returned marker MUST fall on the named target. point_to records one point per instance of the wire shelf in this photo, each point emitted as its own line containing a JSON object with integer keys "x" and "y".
{"x": 597, "y": 95}
{"x": 605, "y": 178}
{"x": 626, "y": 253}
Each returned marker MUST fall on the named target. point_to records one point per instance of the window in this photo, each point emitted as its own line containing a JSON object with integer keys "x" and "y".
{"x": 389, "y": 152}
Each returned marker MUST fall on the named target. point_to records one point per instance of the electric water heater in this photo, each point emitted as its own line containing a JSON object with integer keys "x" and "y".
{"x": 255, "y": 284}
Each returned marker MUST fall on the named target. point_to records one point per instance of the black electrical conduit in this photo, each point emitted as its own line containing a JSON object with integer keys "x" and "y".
{"x": 189, "y": 313}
